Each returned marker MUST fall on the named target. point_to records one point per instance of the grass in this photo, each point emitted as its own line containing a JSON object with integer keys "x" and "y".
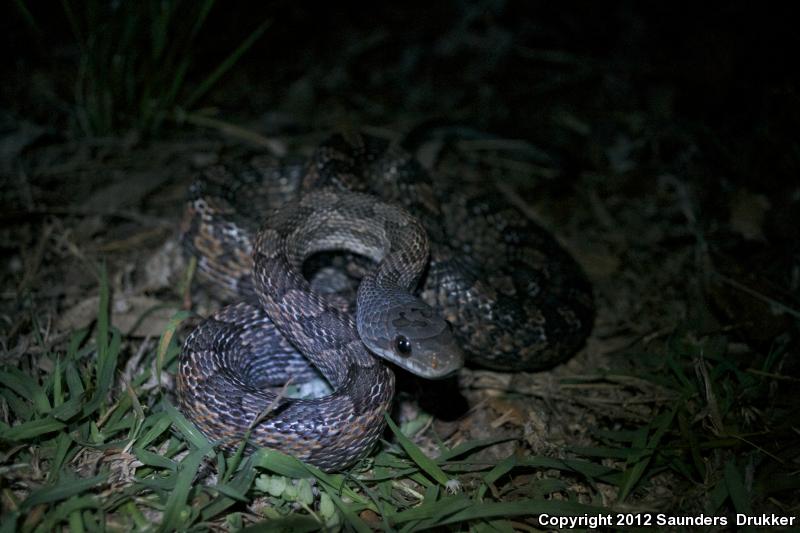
{"x": 86, "y": 448}
{"x": 136, "y": 62}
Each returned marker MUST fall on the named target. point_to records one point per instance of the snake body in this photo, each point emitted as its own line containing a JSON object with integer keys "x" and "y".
{"x": 493, "y": 284}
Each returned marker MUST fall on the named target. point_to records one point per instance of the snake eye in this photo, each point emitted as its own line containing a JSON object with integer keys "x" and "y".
{"x": 402, "y": 345}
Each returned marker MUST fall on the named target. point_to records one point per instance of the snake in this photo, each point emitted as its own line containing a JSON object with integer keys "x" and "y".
{"x": 448, "y": 272}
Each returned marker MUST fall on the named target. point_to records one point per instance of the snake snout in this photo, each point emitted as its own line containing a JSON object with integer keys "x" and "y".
{"x": 440, "y": 355}
{"x": 417, "y": 339}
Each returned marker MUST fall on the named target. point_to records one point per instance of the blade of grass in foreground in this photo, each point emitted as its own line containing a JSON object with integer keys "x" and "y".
{"x": 470, "y": 447}
{"x": 634, "y": 473}
{"x": 226, "y": 65}
{"x": 349, "y": 515}
{"x": 187, "y": 429}
{"x": 31, "y": 429}
{"x": 176, "y": 511}
{"x": 425, "y": 463}
{"x": 27, "y": 387}
{"x": 63, "y": 511}
{"x": 589, "y": 470}
{"x": 62, "y": 490}
{"x": 166, "y": 339}
{"x": 101, "y": 338}
{"x": 736, "y": 489}
{"x": 240, "y": 483}
{"x": 280, "y": 463}
{"x": 63, "y": 443}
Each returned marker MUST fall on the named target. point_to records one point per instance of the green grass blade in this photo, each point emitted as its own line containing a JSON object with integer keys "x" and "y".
{"x": 234, "y": 462}
{"x": 189, "y": 430}
{"x": 73, "y": 378}
{"x": 63, "y": 444}
{"x": 632, "y": 475}
{"x": 200, "y": 18}
{"x": 425, "y": 463}
{"x": 58, "y": 392}
{"x": 166, "y": 340}
{"x": 470, "y": 447}
{"x": 29, "y": 430}
{"x": 587, "y": 469}
{"x": 63, "y": 511}
{"x": 229, "y": 61}
{"x": 106, "y": 369}
{"x": 736, "y": 489}
{"x": 454, "y": 505}
{"x": 68, "y": 409}
{"x": 153, "y": 459}
{"x": 230, "y": 492}
{"x": 28, "y": 18}
{"x": 430, "y": 508}
{"x": 73, "y": 22}
{"x": 605, "y": 452}
{"x": 157, "y": 424}
{"x": 637, "y": 463}
{"x": 75, "y": 341}
{"x": 240, "y": 482}
{"x": 19, "y": 407}
{"x": 716, "y": 497}
{"x": 26, "y": 387}
{"x": 500, "y": 469}
{"x": 62, "y": 490}
{"x": 101, "y": 336}
{"x": 690, "y": 438}
{"x": 350, "y": 516}
{"x": 176, "y": 510}
{"x": 280, "y": 463}
{"x": 139, "y": 519}
{"x": 78, "y": 521}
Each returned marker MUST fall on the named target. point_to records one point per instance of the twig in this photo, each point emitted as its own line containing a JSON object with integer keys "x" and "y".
{"x": 277, "y": 148}
{"x": 755, "y": 294}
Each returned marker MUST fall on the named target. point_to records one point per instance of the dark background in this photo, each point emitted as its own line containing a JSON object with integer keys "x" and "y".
{"x": 719, "y": 76}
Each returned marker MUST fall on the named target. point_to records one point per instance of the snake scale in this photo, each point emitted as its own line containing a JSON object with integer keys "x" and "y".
{"x": 452, "y": 269}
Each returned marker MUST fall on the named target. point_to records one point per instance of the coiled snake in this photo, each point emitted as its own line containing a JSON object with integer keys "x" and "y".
{"x": 456, "y": 268}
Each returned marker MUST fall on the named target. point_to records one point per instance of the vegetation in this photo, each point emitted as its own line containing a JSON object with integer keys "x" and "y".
{"x": 133, "y": 62}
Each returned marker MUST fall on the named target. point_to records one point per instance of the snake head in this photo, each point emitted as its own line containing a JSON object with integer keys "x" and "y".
{"x": 411, "y": 335}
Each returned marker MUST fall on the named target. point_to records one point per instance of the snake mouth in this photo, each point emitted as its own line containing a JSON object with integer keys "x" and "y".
{"x": 442, "y": 368}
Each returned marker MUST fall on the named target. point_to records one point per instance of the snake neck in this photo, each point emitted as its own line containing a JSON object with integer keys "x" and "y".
{"x": 325, "y": 335}
{"x": 330, "y": 220}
